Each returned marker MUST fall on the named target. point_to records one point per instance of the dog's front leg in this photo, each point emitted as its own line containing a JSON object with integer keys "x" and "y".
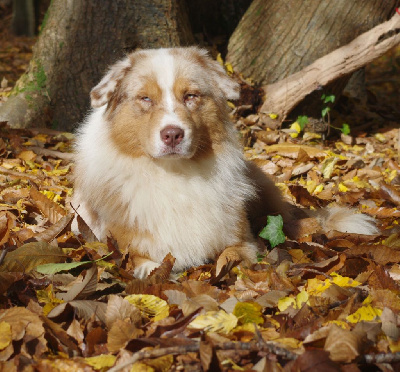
{"x": 143, "y": 266}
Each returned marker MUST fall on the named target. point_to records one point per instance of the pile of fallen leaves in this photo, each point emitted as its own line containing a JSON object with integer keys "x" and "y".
{"x": 324, "y": 302}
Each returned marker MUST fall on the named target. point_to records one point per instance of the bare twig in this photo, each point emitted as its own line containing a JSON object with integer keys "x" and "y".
{"x": 195, "y": 347}
{"x": 52, "y": 153}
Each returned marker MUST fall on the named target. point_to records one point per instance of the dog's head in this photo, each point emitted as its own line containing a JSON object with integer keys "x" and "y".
{"x": 166, "y": 103}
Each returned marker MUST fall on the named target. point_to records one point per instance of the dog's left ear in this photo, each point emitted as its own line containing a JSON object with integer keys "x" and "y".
{"x": 228, "y": 87}
{"x": 102, "y": 92}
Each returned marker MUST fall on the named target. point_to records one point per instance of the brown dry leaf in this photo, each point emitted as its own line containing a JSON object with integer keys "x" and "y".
{"x": 76, "y": 332}
{"x": 381, "y": 254}
{"x": 390, "y": 193}
{"x": 380, "y": 279}
{"x": 84, "y": 229}
{"x": 303, "y": 197}
{"x": 31, "y": 255}
{"x": 7, "y": 222}
{"x": 342, "y": 345}
{"x": 385, "y": 298}
{"x": 120, "y": 309}
{"x": 59, "y": 334}
{"x": 27, "y": 155}
{"x": 53, "y": 231}
{"x": 120, "y": 333}
{"x": 382, "y": 212}
{"x": 228, "y": 259}
{"x": 80, "y": 291}
{"x": 25, "y": 326}
{"x": 206, "y": 354}
{"x": 206, "y": 302}
{"x": 7, "y": 279}
{"x": 84, "y": 309}
{"x": 49, "y": 208}
{"x": 291, "y": 150}
{"x": 313, "y": 360}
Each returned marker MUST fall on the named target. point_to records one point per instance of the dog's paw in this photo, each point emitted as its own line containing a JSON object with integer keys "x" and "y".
{"x": 143, "y": 270}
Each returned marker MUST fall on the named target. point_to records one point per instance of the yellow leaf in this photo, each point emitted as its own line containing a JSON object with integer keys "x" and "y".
{"x": 5, "y": 335}
{"x": 285, "y": 302}
{"x": 301, "y": 299}
{"x": 342, "y": 187}
{"x": 295, "y": 127}
{"x": 52, "y": 195}
{"x": 161, "y": 364}
{"x": 290, "y": 343}
{"x": 380, "y": 137}
{"x": 248, "y": 312}
{"x": 150, "y": 306}
{"x": 318, "y": 189}
{"x": 47, "y": 297}
{"x": 315, "y": 286}
{"x": 101, "y": 361}
{"x": 231, "y": 105}
{"x": 219, "y": 59}
{"x": 328, "y": 166}
{"x": 311, "y": 186}
{"x": 215, "y": 321}
{"x": 365, "y": 313}
{"x": 229, "y": 68}
{"x": 339, "y": 323}
{"x": 141, "y": 367}
{"x": 344, "y": 281}
{"x": 273, "y": 116}
{"x": 234, "y": 366}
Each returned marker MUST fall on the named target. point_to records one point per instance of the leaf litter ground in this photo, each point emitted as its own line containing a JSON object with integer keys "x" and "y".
{"x": 324, "y": 301}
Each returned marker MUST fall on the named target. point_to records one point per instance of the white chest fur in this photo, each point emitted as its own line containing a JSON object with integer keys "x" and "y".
{"x": 192, "y": 209}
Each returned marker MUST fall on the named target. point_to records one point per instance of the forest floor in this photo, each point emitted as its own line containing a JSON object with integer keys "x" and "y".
{"x": 322, "y": 302}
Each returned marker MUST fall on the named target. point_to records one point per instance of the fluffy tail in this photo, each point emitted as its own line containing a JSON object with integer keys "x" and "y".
{"x": 344, "y": 220}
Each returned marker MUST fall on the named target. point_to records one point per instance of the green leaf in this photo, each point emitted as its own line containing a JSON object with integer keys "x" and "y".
{"x": 327, "y": 99}
{"x": 273, "y": 231}
{"x": 325, "y": 111}
{"x": 54, "y": 268}
{"x": 302, "y": 120}
{"x": 345, "y": 129}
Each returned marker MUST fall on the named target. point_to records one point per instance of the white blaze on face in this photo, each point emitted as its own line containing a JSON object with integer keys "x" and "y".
{"x": 164, "y": 66}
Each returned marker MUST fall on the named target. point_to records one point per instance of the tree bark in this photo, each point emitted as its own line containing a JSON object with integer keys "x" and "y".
{"x": 274, "y": 39}
{"x": 285, "y": 94}
{"x": 79, "y": 39}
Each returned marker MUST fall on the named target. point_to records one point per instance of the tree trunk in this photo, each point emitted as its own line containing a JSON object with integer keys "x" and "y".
{"x": 274, "y": 39}
{"x": 79, "y": 39}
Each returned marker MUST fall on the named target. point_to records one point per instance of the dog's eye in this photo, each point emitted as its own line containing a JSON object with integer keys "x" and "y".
{"x": 190, "y": 97}
{"x": 146, "y": 99}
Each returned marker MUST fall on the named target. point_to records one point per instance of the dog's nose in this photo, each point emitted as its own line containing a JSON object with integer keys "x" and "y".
{"x": 172, "y": 136}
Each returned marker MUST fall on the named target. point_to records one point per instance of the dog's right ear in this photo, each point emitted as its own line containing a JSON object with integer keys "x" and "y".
{"x": 102, "y": 92}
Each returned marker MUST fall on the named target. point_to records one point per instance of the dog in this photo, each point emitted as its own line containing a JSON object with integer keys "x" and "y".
{"x": 159, "y": 166}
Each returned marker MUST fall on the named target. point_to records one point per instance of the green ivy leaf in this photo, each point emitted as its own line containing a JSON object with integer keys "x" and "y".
{"x": 325, "y": 111}
{"x": 345, "y": 129}
{"x": 302, "y": 120}
{"x": 327, "y": 99}
{"x": 273, "y": 231}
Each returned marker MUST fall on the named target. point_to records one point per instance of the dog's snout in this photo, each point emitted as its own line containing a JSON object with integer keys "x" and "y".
{"x": 172, "y": 136}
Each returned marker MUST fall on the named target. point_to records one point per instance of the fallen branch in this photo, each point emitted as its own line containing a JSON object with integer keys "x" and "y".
{"x": 283, "y": 96}
{"x": 195, "y": 347}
